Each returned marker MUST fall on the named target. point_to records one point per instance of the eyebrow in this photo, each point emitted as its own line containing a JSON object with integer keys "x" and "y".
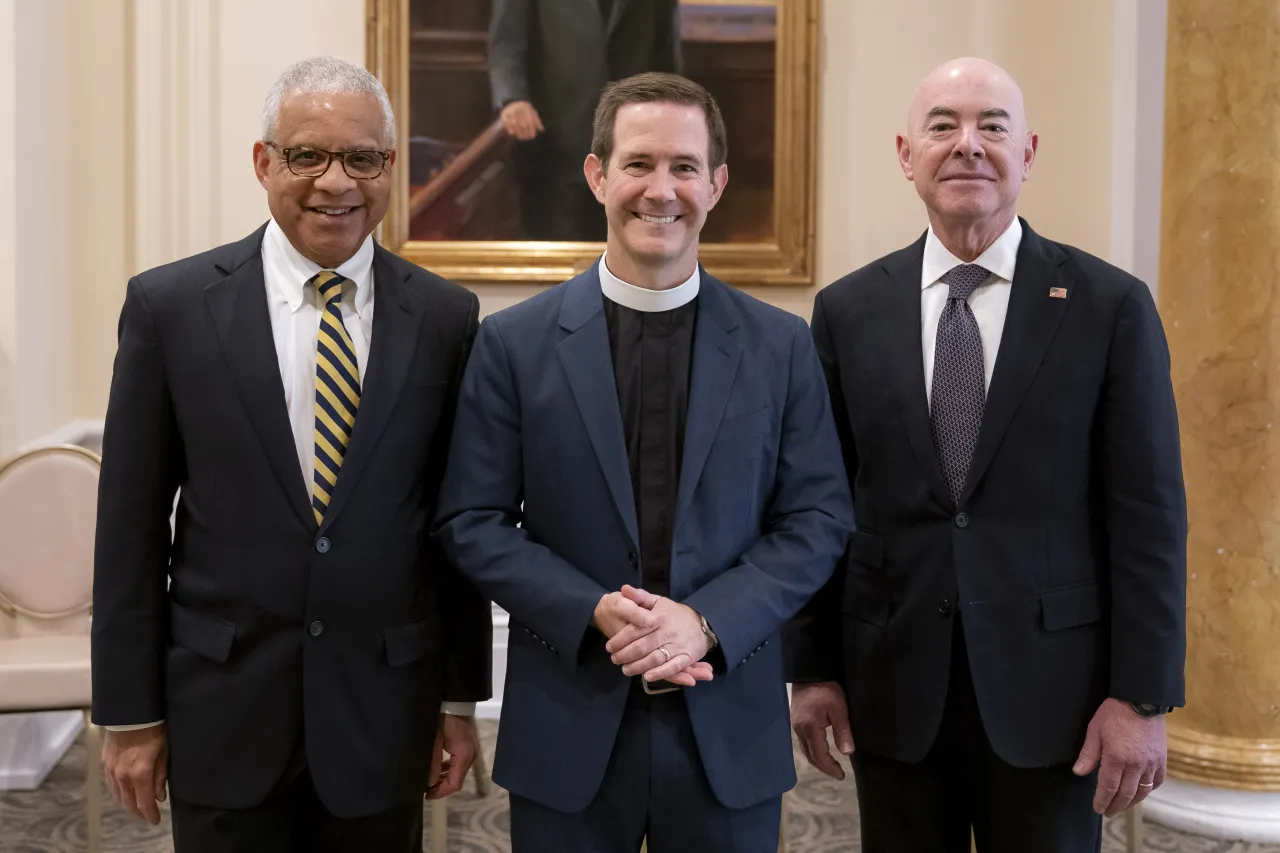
{"x": 627, "y": 156}
{"x": 947, "y": 112}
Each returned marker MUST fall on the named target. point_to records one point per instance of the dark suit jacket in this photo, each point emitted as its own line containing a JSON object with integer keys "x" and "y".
{"x": 254, "y": 630}
{"x": 762, "y": 517}
{"x": 559, "y": 54}
{"x": 1066, "y": 557}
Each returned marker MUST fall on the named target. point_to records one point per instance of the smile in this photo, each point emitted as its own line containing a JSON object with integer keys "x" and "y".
{"x": 657, "y": 220}
{"x": 331, "y": 211}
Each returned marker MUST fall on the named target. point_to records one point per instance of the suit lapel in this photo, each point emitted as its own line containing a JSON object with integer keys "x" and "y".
{"x": 1029, "y": 327}
{"x": 586, "y": 358}
{"x": 397, "y": 320}
{"x": 716, "y": 355}
{"x": 238, "y": 306}
{"x": 906, "y": 358}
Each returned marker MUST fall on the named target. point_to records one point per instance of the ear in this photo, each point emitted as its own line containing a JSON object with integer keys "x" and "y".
{"x": 1029, "y": 153}
{"x": 904, "y": 157}
{"x": 391, "y": 158}
{"x": 719, "y": 179}
{"x": 594, "y": 171}
{"x": 261, "y": 161}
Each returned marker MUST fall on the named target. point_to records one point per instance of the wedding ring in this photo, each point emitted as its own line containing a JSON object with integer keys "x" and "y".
{"x": 1146, "y": 784}
{"x": 666, "y": 654}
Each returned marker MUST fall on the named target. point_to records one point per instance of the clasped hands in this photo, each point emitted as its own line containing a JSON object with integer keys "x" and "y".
{"x": 654, "y": 636}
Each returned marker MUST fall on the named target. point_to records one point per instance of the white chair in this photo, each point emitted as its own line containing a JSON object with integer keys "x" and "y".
{"x": 48, "y": 508}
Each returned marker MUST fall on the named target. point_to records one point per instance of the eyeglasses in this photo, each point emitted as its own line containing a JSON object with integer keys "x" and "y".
{"x": 314, "y": 162}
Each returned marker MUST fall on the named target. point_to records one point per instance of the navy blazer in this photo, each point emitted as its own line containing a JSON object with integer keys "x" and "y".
{"x": 537, "y": 510}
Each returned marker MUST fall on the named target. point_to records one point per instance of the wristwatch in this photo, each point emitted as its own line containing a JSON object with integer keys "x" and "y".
{"x": 711, "y": 635}
{"x": 1146, "y": 709}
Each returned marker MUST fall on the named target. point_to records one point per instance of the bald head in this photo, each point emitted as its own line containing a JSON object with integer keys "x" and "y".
{"x": 966, "y": 75}
{"x": 967, "y": 147}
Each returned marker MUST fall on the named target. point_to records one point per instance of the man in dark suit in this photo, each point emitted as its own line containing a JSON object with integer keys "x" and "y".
{"x": 282, "y": 659}
{"x": 548, "y": 61}
{"x": 1011, "y": 613}
{"x": 641, "y": 475}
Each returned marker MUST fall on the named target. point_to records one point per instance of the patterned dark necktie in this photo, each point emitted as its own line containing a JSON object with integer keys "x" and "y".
{"x": 337, "y": 392}
{"x": 958, "y": 391}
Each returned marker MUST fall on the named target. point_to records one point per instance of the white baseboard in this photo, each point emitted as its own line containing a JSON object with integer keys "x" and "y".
{"x": 1216, "y": 812}
{"x": 32, "y": 744}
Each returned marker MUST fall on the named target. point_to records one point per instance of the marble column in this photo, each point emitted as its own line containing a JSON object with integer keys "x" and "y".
{"x": 1219, "y": 295}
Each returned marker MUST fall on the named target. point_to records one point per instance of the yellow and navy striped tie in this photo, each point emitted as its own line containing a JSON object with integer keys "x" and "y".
{"x": 337, "y": 392}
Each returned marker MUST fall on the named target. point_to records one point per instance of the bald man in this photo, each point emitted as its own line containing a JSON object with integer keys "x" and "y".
{"x": 1008, "y": 628}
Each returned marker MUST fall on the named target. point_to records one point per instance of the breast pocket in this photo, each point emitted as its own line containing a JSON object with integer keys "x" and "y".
{"x": 747, "y": 423}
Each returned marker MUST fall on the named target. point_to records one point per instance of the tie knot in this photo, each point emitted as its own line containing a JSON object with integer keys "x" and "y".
{"x": 964, "y": 279}
{"x": 329, "y": 283}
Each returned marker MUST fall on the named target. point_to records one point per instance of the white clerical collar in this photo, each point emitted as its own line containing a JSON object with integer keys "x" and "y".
{"x": 1000, "y": 258}
{"x": 644, "y": 299}
{"x": 293, "y": 270}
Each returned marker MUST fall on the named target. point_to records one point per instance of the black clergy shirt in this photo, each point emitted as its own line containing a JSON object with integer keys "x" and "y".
{"x": 651, "y": 342}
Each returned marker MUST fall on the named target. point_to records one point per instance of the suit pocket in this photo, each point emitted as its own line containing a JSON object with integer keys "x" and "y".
{"x": 735, "y": 426}
{"x": 1071, "y": 606}
{"x": 866, "y": 549}
{"x": 409, "y": 643}
{"x": 866, "y": 603}
{"x": 201, "y": 633}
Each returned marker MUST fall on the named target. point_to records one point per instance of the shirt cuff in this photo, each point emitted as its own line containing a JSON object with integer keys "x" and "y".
{"x": 458, "y": 709}
{"x": 135, "y": 727}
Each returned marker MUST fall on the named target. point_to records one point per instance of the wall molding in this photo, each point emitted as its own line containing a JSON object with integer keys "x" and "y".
{"x": 176, "y": 168}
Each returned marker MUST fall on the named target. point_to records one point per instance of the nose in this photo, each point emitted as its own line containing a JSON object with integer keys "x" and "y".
{"x": 335, "y": 180}
{"x": 661, "y": 185}
{"x": 969, "y": 145}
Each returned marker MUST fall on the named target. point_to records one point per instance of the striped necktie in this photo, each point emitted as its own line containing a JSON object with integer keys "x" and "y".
{"x": 337, "y": 392}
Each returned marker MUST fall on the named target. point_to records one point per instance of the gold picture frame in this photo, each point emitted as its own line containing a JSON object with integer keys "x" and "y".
{"x": 785, "y": 259}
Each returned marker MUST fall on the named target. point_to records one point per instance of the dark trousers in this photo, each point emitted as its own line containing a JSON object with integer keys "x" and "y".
{"x": 293, "y": 820}
{"x": 929, "y": 807}
{"x": 654, "y": 786}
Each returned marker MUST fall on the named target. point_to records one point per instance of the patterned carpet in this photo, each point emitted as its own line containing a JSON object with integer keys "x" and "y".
{"x": 821, "y": 818}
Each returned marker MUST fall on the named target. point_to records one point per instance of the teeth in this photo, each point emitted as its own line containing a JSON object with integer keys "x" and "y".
{"x": 658, "y": 220}
{"x": 333, "y": 211}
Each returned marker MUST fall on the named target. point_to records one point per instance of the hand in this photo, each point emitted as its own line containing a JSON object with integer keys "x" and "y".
{"x": 1132, "y": 753}
{"x": 624, "y": 611}
{"x": 521, "y": 120}
{"x": 456, "y": 736}
{"x": 136, "y": 765}
{"x": 673, "y": 642}
{"x": 814, "y": 709}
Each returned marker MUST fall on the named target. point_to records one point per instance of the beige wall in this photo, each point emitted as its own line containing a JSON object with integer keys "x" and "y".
{"x": 179, "y": 80}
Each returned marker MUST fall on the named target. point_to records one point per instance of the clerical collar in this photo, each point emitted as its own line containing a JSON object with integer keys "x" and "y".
{"x": 644, "y": 299}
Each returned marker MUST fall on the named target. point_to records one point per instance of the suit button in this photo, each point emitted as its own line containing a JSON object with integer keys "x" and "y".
{"x": 633, "y": 560}
{"x": 944, "y": 607}
{"x": 962, "y": 520}
{"x": 316, "y": 628}
{"x": 322, "y": 545}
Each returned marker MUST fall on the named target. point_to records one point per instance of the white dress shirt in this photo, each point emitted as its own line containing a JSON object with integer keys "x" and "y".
{"x": 989, "y": 301}
{"x": 644, "y": 299}
{"x": 295, "y": 309}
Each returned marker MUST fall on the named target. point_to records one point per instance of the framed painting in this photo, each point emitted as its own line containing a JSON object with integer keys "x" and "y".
{"x": 479, "y": 201}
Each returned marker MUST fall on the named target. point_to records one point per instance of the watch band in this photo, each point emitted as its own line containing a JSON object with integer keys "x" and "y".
{"x": 711, "y": 635}
{"x": 1147, "y": 709}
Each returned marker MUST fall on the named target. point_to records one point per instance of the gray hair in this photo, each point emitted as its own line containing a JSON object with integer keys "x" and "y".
{"x": 326, "y": 75}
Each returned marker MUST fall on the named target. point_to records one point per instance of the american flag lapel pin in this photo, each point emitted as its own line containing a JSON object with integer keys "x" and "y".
{"x": 1057, "y": 293}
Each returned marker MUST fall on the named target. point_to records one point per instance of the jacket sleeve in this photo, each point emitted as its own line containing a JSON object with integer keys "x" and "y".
{"x": 807, "y": 522}
{"x": 141, "y": 471}
{"x": 813, "y": 643}
{"x": 1145, "y": 509}
{"x": 479, "y": 520}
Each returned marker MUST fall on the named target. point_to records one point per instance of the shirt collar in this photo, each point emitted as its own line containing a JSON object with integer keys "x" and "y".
{"x": 644, "y": 299}
{"x": 1000, "y": 257}
{"x": 293, "y": 270}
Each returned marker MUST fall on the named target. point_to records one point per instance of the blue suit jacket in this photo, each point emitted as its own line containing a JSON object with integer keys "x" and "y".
{"x": 537, "y": 510}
